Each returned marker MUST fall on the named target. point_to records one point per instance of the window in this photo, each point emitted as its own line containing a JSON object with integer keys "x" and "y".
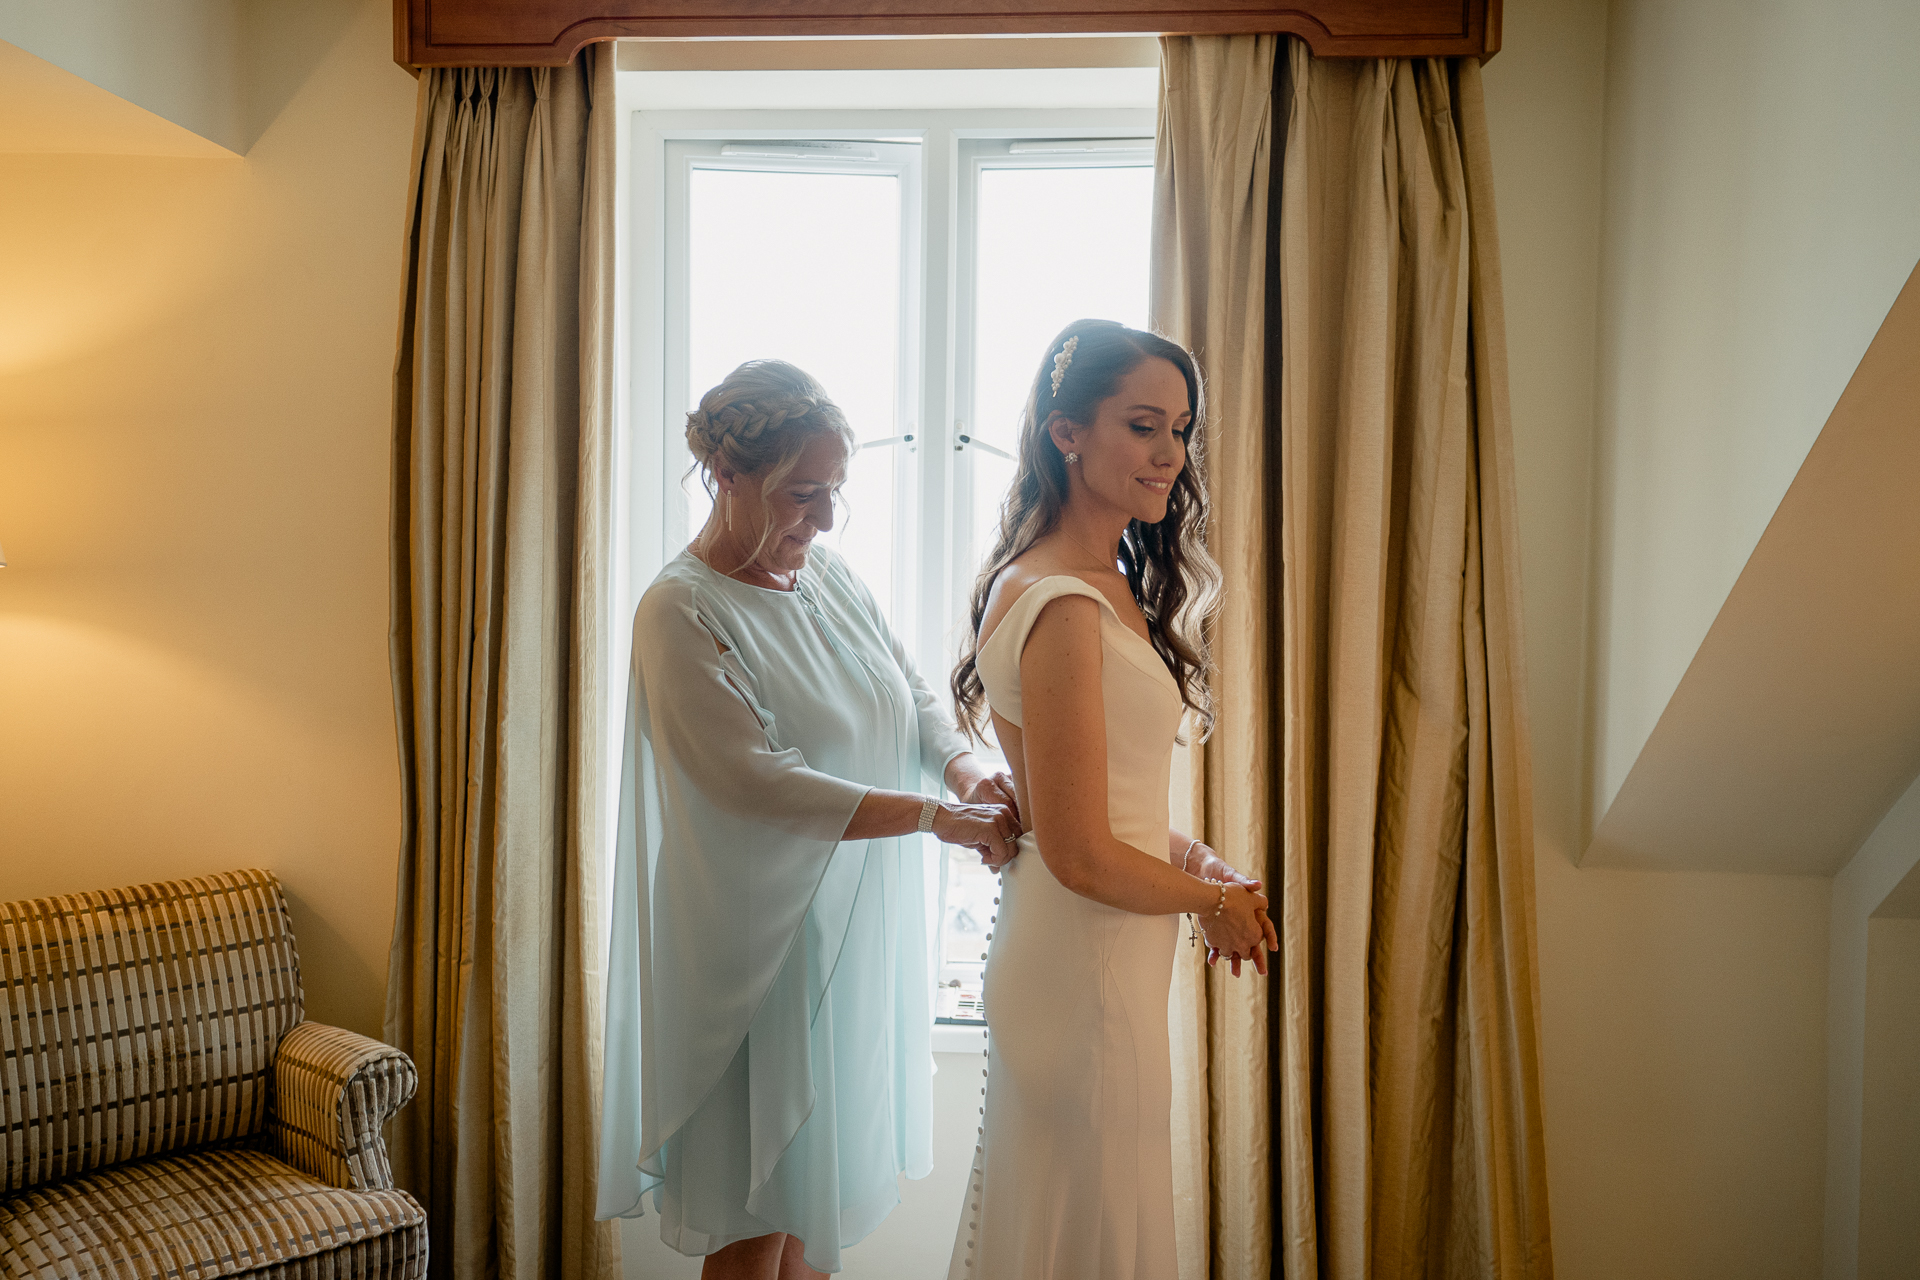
{"x": 1051, "y": 232}
{"x": 806, "y": 251}
{"x": 917, "y": 264}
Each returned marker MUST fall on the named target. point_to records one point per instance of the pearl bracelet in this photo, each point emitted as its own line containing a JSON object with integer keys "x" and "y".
{"x": 1193, "y": 933}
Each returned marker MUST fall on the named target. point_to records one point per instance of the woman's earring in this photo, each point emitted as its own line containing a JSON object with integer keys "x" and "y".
{"x": 729, "y": 511}
{"x": 1073, "y": 457}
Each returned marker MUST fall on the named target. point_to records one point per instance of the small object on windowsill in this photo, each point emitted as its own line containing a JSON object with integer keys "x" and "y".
{"x": 961, "y": 1005}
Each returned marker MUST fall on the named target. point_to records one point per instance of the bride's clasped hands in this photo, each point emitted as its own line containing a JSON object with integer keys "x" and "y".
{"x": 1241, "y": 930}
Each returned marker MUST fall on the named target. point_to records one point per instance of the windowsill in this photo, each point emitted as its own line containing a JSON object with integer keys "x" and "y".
{"x": 959, "y": 1037}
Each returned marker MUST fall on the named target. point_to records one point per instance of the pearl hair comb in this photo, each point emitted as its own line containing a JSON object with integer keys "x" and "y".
{"x": 1061, "y": 361}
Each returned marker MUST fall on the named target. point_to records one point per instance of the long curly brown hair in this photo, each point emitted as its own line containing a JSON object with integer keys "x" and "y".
{"x": 1173, "y": 577}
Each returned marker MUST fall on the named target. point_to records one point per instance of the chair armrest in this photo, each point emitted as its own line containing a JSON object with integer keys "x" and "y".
{"x": 332, "y": 1092}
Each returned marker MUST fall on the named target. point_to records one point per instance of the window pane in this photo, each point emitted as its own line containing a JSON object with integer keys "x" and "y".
{"x": 1055, "y": 245}
{"x": 969, "y": 907}
{"x": 805, "y": 267}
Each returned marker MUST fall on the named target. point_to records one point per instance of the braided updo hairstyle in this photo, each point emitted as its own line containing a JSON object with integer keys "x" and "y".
{"x": 756, "y": 422}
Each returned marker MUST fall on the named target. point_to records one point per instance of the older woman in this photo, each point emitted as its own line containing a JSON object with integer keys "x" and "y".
{"x": 769, "y": 1003}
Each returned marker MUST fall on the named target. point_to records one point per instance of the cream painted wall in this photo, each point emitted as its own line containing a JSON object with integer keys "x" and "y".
{"x": 1763, "y": 209}
{"x": 195, "y": 358}
{"x": 1890, "y": 1152}
{"x": 1883, "y": 863}
{"x": 1684, "y": 1064}
{"x": 1682, "y": 1014}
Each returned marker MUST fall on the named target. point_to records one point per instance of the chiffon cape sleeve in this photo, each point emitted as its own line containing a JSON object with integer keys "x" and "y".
{"x": 724, "y": 838}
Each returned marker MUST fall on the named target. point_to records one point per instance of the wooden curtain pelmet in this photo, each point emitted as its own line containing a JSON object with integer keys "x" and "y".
{"x": 547, "y": 33}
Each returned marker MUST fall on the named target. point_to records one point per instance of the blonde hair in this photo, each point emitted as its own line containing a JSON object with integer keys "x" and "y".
{"x": 757, "y": 421}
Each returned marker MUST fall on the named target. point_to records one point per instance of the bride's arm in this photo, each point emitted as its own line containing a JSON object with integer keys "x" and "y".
{"x": 1064, "y": 740}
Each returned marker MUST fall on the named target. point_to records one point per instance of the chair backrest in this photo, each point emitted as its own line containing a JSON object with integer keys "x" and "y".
{"x": 140, "y": 1020}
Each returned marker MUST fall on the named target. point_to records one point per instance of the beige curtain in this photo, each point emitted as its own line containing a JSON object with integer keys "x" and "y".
{"x": 501, "y": 487}
{"x": 1372, "y": 755}
{"x": 1211, "y": 214}
{"x": 1410, "y": 1093}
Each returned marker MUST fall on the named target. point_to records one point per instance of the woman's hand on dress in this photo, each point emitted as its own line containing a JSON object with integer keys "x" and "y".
{"x": 1241, "y": 930}
{"x": 988, "y": 829}
{"x": 975, "y": 783}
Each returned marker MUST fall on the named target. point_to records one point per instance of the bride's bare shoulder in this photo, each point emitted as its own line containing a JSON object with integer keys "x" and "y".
{"x": 1012, "y": 582}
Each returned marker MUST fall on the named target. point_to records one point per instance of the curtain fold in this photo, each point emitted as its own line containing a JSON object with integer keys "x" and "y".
{"x": 1211, "y": 213}
{"x": 1372, "y": 760}
{"x": 501, "y": 491}
{"x": 1412, "y": 1141}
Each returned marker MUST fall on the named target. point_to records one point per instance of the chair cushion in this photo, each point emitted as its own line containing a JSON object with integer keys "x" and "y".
{"x": 139, "y": 1021}
{"x": 204, "y": 1214}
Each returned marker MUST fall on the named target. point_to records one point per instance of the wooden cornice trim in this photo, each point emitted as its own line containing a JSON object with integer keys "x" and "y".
{"x": 547, "y": 33}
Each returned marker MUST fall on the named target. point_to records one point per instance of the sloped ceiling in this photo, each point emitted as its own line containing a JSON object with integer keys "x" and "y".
{"x": 1798, "y": 721}
{"x": 104, "y": 77}
{"x": 47, "y": 110}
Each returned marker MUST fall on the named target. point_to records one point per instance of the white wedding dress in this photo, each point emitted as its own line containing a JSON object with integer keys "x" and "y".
{"x": 1073, "y": 1176}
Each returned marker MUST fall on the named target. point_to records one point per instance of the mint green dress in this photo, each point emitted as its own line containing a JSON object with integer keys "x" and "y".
{"x": 769, "y": 993}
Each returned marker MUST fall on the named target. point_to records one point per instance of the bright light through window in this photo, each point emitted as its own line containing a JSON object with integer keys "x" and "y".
{"x": 805, "y": 267}
{"x": 1055, "y": 245}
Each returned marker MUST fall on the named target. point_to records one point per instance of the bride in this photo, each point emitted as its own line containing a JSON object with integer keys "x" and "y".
{"x": 1088, "y": 653}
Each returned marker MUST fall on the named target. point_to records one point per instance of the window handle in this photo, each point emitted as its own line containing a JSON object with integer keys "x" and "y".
{"x": 884, "y": 442}
{"x": 962, "y": 440}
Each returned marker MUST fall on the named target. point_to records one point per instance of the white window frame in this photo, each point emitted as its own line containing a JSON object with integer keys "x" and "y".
{"x": 936, "y": 385}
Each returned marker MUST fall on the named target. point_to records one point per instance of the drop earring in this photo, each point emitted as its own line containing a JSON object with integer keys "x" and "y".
{"x": 729, "y": 511}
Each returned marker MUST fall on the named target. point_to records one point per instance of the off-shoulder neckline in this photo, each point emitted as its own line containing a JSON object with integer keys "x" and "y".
{"x": 1159, "y": 663}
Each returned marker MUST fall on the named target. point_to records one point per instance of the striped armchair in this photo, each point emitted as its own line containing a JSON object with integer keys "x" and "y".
{"x": 164, "y": 1112}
